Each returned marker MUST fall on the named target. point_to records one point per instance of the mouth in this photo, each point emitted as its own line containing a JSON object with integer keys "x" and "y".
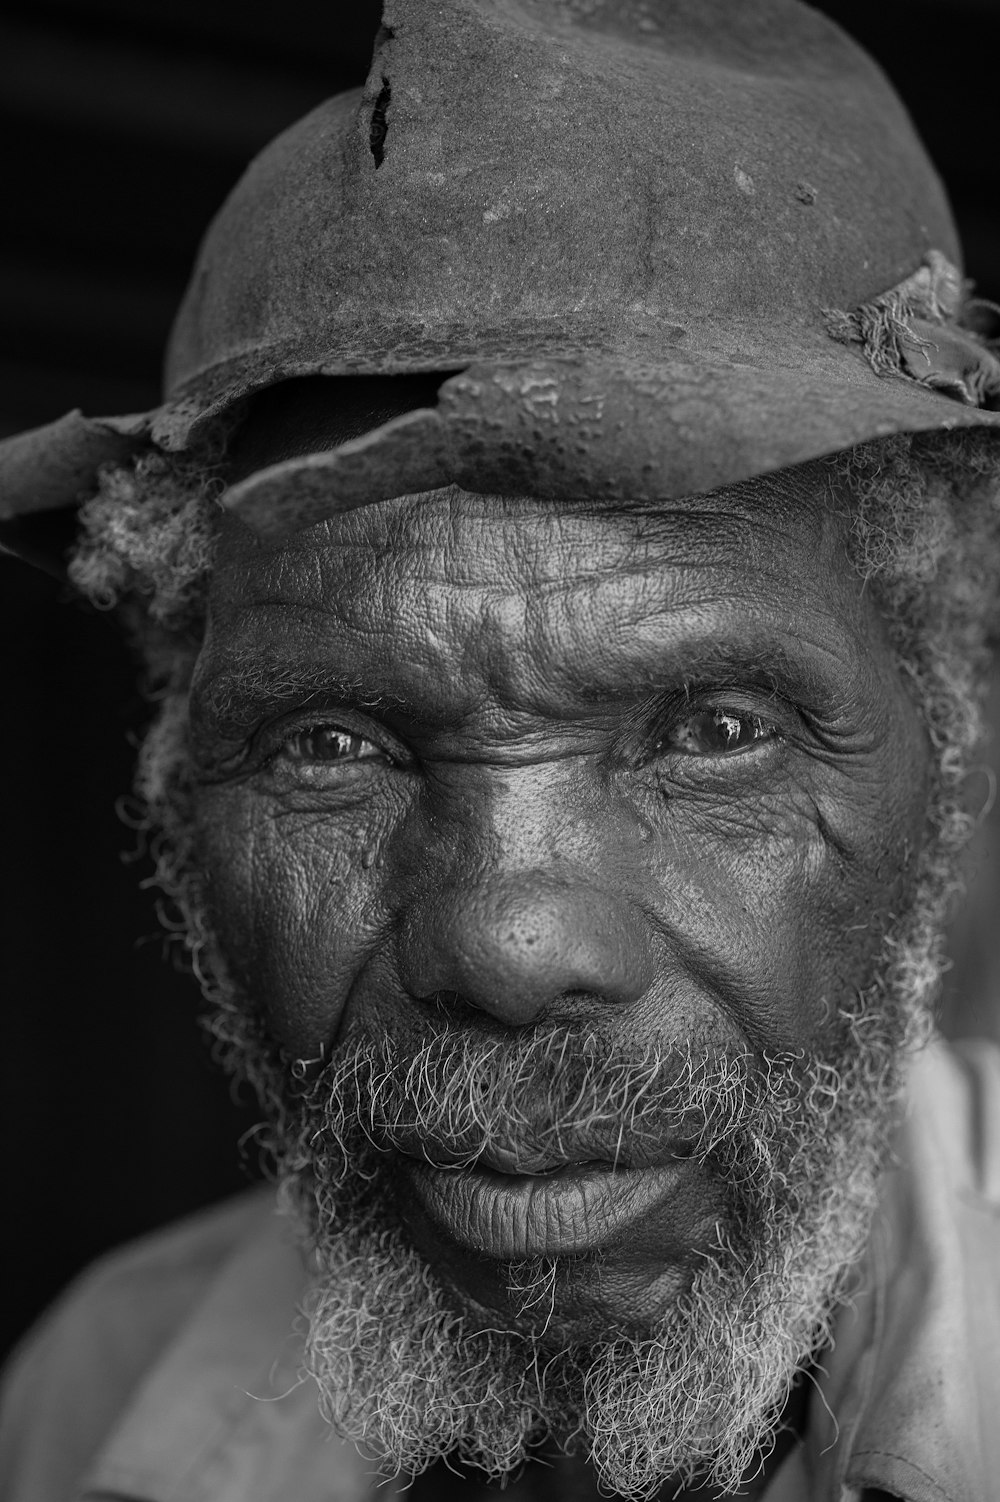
{"x": 511, "y": 1210}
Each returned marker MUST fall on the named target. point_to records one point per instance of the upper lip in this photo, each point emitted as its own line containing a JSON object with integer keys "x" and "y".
{"x": 509, "y": 1160}
{"x": 537, "y": 1160}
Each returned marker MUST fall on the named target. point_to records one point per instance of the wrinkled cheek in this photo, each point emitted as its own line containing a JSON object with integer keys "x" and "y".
{"x": 840, "y": 922}
{"x": 785, "y": 927}
{"x": 845, "y": 890}
{"x": 294, "y": 909}
{"x": 864, "y": 867}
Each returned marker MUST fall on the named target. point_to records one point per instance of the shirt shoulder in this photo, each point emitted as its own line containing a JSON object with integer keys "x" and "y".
{"x": 920, "y": 1387}
{"x": 69, "y": 1380}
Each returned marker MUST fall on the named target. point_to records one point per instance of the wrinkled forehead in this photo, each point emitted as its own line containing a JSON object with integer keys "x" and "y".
{"x": 466, "y": 537}
{"x": 501, "y": 591}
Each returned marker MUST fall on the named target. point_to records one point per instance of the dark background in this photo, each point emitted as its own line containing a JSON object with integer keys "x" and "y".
{"x": 122, "y": 125}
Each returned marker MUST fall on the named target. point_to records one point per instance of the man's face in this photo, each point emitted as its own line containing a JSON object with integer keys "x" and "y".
{"x": 500, "y": 766}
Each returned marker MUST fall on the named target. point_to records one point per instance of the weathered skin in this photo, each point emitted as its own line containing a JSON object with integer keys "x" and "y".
{"x": 519, "y": 824}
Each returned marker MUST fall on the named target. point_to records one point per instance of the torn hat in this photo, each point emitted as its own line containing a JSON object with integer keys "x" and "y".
{"x": 631, "y": 248}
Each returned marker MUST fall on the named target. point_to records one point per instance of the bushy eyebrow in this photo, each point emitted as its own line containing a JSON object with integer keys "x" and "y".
{"x": 245, "y": 689}
{"x": 248, "y": 689}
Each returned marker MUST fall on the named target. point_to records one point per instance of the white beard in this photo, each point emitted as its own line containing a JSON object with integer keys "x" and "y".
{"x": 412, "y": 1375}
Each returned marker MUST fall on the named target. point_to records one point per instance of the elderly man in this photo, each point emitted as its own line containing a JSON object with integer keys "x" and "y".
{"x": 566, "y": 560}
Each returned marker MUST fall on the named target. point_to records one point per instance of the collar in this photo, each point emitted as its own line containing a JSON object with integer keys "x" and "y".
{"x": 907, "y": 1402}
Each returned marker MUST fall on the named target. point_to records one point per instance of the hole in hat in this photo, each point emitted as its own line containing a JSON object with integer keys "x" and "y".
{"x": 309, "y": 414}
{"x": 379, "y": 126}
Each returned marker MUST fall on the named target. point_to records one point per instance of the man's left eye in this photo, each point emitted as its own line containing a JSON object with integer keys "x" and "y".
{"x": 716, "y": 732}
{"x": 327, "y": 744}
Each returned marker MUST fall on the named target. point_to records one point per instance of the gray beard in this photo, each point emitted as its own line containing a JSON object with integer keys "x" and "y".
{"x": 410, "y": 1371}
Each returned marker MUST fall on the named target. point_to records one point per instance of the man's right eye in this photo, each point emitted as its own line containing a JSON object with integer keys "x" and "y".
{"x": 326, "y": 744}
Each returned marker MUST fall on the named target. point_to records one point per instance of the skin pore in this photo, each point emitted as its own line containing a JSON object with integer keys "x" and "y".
{"x": 648, "y": 776}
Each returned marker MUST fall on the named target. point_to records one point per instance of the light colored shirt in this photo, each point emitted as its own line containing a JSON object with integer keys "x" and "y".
{"x": 170, "y": 1371}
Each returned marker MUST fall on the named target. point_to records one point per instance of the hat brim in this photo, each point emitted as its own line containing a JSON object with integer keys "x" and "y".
{"x": 612, "y": 426}
{"x": 608, "y": 429}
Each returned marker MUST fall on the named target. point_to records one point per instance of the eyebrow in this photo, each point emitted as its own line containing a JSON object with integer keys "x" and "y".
{"x": 248, "y": 689}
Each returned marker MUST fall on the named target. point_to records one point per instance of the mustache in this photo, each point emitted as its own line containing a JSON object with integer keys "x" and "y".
{"x": 555, "y": 1097}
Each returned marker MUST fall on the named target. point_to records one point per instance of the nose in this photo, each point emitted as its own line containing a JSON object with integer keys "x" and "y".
{"x": 518, "y": 946}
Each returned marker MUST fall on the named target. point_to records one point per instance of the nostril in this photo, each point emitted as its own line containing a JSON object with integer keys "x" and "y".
{"x": 451, "y": 1004}
{"x": 514, "y": 946}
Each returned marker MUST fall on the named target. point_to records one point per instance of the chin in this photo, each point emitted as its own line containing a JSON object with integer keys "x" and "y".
{"x": 563, "y": 1302}
{"x": 571, "y": 1298}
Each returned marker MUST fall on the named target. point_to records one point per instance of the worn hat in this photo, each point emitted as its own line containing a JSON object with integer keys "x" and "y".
{"x": 632, "y": 248}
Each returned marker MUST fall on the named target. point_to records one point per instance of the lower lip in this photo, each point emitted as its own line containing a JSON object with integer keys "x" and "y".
{"x": 513, "y": 1216}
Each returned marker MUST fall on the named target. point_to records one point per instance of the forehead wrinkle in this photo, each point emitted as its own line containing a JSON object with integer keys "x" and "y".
{"x": 542, "y": 535}
{"x": 501, "y": 620}
{"x": 550, "y": 542}
{"x": 519, "y": 657}
{"x": 674, "y": 624}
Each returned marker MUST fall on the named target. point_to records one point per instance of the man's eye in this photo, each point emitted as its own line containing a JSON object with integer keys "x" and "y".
{"x": 715, "y": 732}
{"x": 326, "y": 744}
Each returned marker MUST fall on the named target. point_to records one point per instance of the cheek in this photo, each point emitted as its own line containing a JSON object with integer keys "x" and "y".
{"x": 780, "y": 909}
{"x": 293, "y": 902}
